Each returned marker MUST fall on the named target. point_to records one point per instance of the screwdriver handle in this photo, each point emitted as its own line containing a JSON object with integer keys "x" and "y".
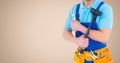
{"x": 73, "y": 16}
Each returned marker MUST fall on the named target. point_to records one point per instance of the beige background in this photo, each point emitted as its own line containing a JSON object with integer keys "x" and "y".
{"x": 31, "y": 31}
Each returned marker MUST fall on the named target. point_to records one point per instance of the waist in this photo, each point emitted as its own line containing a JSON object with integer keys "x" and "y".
{"x": 98, "y": 53}
{"x": 93, "y": 55}
{"x": 93, "y": 45}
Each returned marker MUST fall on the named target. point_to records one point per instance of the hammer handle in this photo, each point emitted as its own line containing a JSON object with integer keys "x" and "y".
{"x": 88, "y": 31}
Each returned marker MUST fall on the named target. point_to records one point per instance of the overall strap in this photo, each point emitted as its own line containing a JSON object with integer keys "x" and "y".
{"x": 78, "y": 9}
{"x": 99, "y": 6}
{"x": 77, "y": 12}
{"x": 101, "y": 3}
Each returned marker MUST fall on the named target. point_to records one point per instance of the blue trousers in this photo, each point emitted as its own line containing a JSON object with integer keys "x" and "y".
{"x": 88, "y": 61}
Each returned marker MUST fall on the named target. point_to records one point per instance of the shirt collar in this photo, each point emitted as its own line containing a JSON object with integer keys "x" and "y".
{"x": 93, "y": 5}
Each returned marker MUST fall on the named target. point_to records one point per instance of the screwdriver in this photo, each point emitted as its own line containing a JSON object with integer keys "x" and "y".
{"x": 81, "y": 50}
{"x": 73, "y": 19}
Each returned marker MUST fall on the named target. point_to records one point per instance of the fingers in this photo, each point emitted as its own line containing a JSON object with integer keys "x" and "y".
{"x": 85, "y": 44}
{"x": 85, "y": 41}
{"x": 74, "y": 22}
{"x": 83, "y": 37}
{"x": 75, "y": 25}
{"x": 72, "y": 25}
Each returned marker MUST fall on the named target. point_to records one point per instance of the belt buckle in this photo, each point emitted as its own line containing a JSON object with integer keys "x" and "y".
{"x": 80, "y": 50}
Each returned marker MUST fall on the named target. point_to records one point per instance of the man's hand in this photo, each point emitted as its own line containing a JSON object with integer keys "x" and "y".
{"x": 76, "y": 26}
{"x": 82, "y": 42}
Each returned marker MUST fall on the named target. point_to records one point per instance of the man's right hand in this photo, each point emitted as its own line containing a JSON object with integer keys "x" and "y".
{"x": 82, "y": 41}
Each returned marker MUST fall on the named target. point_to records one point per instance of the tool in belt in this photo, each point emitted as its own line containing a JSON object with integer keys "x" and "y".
{"x": 93, "y": 54}
{"x": 102, "y": 56}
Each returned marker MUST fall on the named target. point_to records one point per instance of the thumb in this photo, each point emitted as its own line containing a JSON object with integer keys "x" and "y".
{"x": 82, "y": 36}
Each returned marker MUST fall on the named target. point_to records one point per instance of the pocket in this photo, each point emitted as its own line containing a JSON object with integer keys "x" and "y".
{"x": 105, "y": 59}
{"x": 101, "y": 60}
{"x": 79, "y": 59}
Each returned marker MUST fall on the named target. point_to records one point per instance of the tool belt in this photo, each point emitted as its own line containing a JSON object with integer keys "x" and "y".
{"x": 98, "y": 56}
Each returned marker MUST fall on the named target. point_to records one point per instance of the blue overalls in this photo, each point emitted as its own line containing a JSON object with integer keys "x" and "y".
{"x": 93, "y": 45}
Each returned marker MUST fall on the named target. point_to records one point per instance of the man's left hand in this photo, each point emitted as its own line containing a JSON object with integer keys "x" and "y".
{"x": 76, "y": 26}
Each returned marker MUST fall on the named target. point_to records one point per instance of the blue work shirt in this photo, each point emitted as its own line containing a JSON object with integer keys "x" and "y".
{"x": 103, "y": 21}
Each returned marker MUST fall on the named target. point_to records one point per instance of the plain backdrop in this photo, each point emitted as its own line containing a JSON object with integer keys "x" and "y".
{"x": 31, "y": 31}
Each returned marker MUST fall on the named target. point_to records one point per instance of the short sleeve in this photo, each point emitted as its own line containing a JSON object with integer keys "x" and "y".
{"x": 69, "y": 19}
{"x": 106, "y": 19}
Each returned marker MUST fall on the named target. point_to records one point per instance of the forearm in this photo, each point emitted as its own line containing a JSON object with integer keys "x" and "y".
{"x": 68, "y": 35}
{"x": 81, "y": 41}
{"x": 98, "y": 35}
